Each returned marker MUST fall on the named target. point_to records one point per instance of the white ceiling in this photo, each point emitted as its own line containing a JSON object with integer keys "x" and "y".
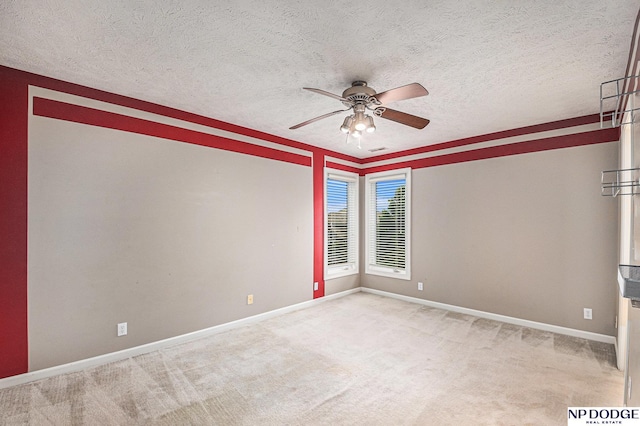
{"x": 489, "y": 65}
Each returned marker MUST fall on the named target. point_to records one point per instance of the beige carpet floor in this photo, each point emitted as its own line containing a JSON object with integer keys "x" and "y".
{"x": 359, "y": 360}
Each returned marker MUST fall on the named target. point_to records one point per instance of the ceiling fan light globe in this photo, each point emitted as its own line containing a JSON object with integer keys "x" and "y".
{"x": 370, "y": 126}
{"x": 346, "y": 124}
{"x": 360, "y": 119}
{"x": 356, "y": 133}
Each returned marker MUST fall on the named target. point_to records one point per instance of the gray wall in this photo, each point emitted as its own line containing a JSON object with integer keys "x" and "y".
{"x": 527, "y": 236}
{"x": 172, "y": 237}
{"x": 166, "y": 236}
{"x": 336, "y": 285}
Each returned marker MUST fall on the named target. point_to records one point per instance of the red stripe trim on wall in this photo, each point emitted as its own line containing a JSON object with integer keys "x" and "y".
{"x": 125, "y": 101}
{"x": 344, "y": 168}
{"x": 318, "y": 223}
{"x": 557, "y": 142}
{"x": 545, "y": 127}
{"x": 95, "y": 117}
{"x": 14, "y": 351}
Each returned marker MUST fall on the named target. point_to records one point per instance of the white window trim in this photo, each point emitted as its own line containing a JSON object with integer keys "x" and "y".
{"x": 343, "y": 270}
{"x": 370, "y": 222}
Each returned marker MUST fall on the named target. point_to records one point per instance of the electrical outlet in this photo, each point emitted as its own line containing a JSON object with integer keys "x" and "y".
{"x": 122, "y": 329}
{"x": 420, "y": 286}
{"x": 315, "y": 286}
{"x": 588, "y": 314}
{"x": 250, "y": 299}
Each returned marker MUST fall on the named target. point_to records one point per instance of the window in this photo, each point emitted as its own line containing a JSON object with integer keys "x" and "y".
{"x": 387, "y": 198}
{"x": 341, "y": 224}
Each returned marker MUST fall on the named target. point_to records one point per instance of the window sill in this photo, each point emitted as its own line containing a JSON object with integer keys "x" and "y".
{"x": 340, "y": 272}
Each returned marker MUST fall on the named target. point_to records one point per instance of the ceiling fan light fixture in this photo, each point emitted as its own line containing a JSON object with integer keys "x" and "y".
{"x": 370, "y": 126}
{"x": 356, "y": 133}
{"x": 361, "y": 122}
{"x": 346, "y": 125}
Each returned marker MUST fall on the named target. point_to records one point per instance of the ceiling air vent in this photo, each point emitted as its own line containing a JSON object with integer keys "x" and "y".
{"x": 377, "y": 149}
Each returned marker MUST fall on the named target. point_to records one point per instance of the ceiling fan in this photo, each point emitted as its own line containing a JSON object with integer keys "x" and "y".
{"x": 360, "y": 97}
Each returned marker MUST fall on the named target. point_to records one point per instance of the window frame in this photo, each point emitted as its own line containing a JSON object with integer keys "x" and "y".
{"x": 370, "y": 224}
{"x": 349, "y": 267}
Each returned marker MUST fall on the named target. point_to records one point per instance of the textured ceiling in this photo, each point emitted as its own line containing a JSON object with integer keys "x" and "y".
{"x": 489, "y": 65}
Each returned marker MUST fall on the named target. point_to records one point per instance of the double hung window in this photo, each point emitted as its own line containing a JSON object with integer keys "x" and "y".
{"x": 341, "y": 223}
{"x": 387, "y": 240}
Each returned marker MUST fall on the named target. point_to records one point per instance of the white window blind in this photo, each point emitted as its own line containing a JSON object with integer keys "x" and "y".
{"x": 341, "y": 224}
{"x": 388, "y": 221}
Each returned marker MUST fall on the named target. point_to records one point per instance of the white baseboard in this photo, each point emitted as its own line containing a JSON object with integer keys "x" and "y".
{"x": 497, "y": 317}
{"x": 161, "y": 344}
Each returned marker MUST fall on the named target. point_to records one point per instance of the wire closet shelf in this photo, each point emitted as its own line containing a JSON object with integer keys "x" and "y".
{"x": 617, "y": 109}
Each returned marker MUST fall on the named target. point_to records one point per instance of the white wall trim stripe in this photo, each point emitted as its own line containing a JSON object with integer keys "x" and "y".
{"x": 156, "y": 118}
{"x": 345, "y": 162}
{"x": 490, "y": 143}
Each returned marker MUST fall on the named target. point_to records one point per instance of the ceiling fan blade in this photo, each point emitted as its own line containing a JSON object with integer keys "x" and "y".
{"x": 401, "y": 117}
{"x": 331, "y": 95}
{"x": 413, "y": 90}
{"x": 304, "y": 123}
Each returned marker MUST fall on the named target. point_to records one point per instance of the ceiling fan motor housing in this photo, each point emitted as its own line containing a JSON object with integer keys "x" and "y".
{"x": 359, "y": 97}
{"x": 359, "y": 93}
